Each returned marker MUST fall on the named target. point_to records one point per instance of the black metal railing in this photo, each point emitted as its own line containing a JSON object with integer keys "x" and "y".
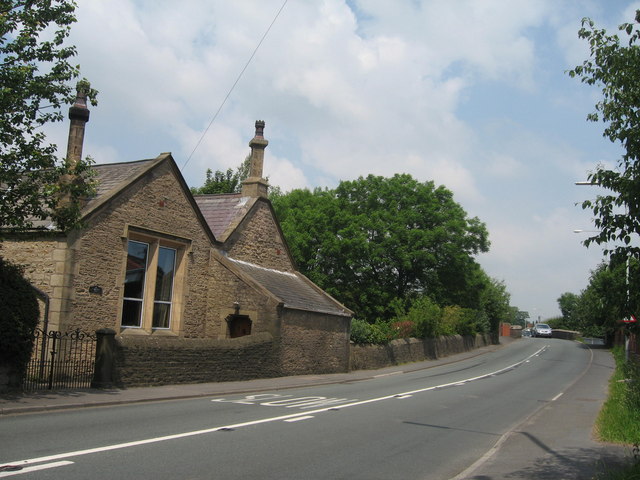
{"x": 61, "y": 360}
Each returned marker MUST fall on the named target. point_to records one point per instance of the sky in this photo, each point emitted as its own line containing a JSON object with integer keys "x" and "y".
{"x": 472, "y": 94}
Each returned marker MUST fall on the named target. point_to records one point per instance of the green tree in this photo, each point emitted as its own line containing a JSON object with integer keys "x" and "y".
{"x": 377, "y": 243}
{"x": 613, "y": 66}
{"x": 521, "y": 317}
{"x": 35, "y": 80}
{"x": 567, "y": 303}
{"x": 224, "y": 182}
{"x": 601, "y": 304}
{"x": 494, "y": 303}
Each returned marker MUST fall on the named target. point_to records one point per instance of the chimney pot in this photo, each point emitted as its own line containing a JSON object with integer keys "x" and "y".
{"x": 259, "y": 128}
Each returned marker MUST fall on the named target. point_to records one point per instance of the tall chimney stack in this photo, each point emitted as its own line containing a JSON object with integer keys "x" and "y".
{"x": 255, "y": 185}
{"x": 79, "y": 116}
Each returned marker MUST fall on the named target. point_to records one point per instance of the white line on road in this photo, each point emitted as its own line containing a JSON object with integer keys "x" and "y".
{"x": 306, "y": 417}
{"x": 387, "y": 374}
{"x": 236, "y": 426}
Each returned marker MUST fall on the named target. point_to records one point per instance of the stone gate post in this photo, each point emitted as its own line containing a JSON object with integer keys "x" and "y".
{"x": 105, "y": 366}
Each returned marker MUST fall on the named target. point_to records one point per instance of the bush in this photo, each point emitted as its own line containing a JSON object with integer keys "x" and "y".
{"x": 363, "y": 333}
{"x": 557, "y": 323}
{"x": 483, "y": 325}
{"x": 19, "y": 314}
{"x": 424, "y": 319}
{"x": 403, "y": 329}
{"x": 426, "y": 316}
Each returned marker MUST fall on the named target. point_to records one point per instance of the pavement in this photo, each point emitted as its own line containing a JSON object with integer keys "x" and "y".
{"x": 556, "y": 441}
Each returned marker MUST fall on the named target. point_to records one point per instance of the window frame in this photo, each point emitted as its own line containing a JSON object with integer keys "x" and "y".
{"x": 155, "y": 242}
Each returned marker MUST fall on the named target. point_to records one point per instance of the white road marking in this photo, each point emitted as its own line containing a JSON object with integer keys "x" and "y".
{"x": 35, "y": 468}
{"x": 286, "y": 401}
{"x": 557, "y": 397}
{"x": 387, "y": 374}
{"x": 118, "y": 446}
{"x": 306, "y": 417}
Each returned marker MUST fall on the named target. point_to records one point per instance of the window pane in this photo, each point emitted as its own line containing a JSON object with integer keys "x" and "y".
{"x": 164, "y": 287}
{"x": 161, "y": 315}
{"x": 136, "y": 269}
{"x": 131, "y": 313}
{"x": 164, "y": 275}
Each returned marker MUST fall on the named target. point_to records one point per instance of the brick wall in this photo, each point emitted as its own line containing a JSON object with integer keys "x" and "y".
{"x": 412, "y": 350}
{"x": 163, "y": 361}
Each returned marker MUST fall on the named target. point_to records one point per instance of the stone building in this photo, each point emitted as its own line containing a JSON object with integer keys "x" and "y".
{"x": 196, "y": 288}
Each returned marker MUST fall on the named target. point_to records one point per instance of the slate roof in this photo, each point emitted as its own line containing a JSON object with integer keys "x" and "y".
{"x": 223, "y": 212}
{"x": 111, "y": 177}
{"x": 294, "y": 290}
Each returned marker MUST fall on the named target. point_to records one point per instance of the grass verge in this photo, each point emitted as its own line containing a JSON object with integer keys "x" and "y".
{"x": 619, "y": 419}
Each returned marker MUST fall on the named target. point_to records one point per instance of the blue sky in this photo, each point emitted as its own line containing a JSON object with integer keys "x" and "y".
{"x": 472, "y": 94}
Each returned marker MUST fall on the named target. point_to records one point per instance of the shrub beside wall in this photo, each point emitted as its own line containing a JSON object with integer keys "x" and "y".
{"x": 396, "y": 352}
{"x": 19, "y": 314}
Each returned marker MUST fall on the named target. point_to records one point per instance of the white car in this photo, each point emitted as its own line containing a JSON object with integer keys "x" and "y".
{"x": 542, "y": 330}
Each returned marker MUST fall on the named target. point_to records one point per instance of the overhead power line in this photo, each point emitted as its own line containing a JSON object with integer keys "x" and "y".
{"x": 234, "y": 84}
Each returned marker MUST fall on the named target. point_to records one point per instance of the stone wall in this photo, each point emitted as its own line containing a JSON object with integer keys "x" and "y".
{"x": 258, "y": 240}
{"x": 165, "y": 361}
{"x": 565, "y": 334}
{"x": 314, "y": 343}
{"x": 369, "y": 357}
{"x": 46, "y": 266}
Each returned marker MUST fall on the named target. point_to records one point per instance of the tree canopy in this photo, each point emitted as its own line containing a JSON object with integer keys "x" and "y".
{"x": 229, "y": 181}
{"x": 600, "y": 307}
{"x": 36, "y": 76}
{"x": 613, "y": 66}
{"x": 377, "y": 243}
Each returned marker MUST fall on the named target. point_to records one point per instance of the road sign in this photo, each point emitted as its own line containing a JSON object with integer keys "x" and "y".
{"x": 630, "y": 319}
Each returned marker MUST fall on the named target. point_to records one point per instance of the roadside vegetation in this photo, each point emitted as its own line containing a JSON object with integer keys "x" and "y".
{"x": 619, "y": 419}
{"x": 19, "y": 313}
{"x": 398, "y": 252}
{"x": 425, "y": 319}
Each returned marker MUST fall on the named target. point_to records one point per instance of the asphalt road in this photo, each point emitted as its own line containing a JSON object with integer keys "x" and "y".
{"x": 468, "y": 419}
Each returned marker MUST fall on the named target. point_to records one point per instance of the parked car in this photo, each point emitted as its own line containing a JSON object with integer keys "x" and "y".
{"x": 542, "y": 330}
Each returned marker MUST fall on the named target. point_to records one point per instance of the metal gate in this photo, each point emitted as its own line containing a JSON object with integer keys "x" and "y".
{"x": 61, "y": 360}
